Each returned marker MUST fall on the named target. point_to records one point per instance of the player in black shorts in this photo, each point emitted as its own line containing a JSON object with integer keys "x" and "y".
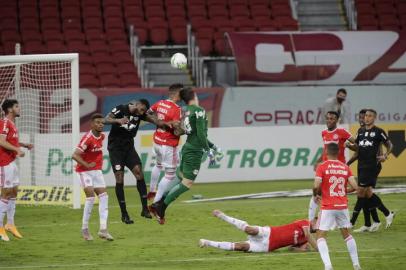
{"x": 369, "y": 140}
{"x": 125, "y": 120}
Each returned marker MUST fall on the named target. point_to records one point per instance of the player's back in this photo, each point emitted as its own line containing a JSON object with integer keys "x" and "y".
{"x": 195, "y": 123}
{"x": 288, "y": 235}
{"x": 334, "y": 175}
{"x": 338, "y": 136}
{"x": 166, "y": 110}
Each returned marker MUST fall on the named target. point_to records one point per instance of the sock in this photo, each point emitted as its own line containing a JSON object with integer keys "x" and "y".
{"x": 357, "y": 208}
{"x": 162, "y": 189}
{"x": 142, "y": 190}
{"x": 103, "y": 210}
{"x": 87, "y": 211}
{"x": 175, "y": 192}
{"x": 323, "y": 250}
{"x": 239, "y": 224}
{"x": 155, "y": 173}
{"x": 121, "y": 198}
{"x": 378, "y": 203}
{"x": 312, "y": 208}
{"x": 352, "y": 249}
{"x": 3, "y": 210}
{"x": 221, "y": 245}
{"x": 11, "y": 211}
{"x": 374, "y": 215}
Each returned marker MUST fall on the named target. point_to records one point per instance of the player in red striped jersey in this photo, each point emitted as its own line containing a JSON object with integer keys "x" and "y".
{"x": 89, "y": 158}
{"x": 332, "y": 178}
{"x": 9, "y": 179}
{"x": 165, "y": 146}
{"x": 296, "y": 235}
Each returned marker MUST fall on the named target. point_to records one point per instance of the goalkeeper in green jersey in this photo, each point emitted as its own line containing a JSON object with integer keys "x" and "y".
{"x": 195, "y": 126}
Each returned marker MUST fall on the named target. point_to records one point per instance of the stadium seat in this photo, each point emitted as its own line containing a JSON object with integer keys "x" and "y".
{"x": 365, "y": 8}
{"x": 260, "y": 11}
{"x": 50, "y": 23}
{"x": 126, "y": 68}
{"x": 109, "y": 81}
{"x": 10, "y": 35}
{"x": 105, "y": 68}
{"x": 86, "y": 68}
{"x": 8, "y": 12}
{"x": 121, "y": 57}
{"x": 129, "y": 80}
{"x": 116, "y": 34}
{"x": 111, "y": 3}
{"x": 175, "y": 12}
{"x": 169, "y": 3}
{"x": 128, "y": 3}
{"x": 197, "y": 11}
{"x": 29, "y": 24}
{"x": 110, "y": 12}
{"x": 101, "y": 57}
{"x": 88, "y": 80}
{"x": 237, "y": 2}
{"x": 218, "y": 11}
{"x": 74, "y": 35}
{"x": 9, "y": 47}
{"x": 93, "y": 23}
{"x": 383, "y": 8}
{"x": 49, "y": 12}
{"x": 239, "y": 10}
{"x": 70, "y": 3}
{"x": 119, "y": 46}
{"x": 85, "y": 58}
{"x": 178, "y": 30}
{"x": 281, "y": 10}
{"x": 114, "y": 23}
{"x": 94, "y": 34}
{"x": 56, "y": 46}
{"x": 9, "y": 24}
{"x": 78, "y": 46}
{"x": 98, "y": 46}
{"x": 71, "y": 12}
{"x": 205, "y": 46}
{"x": 31, "y": 35}
{"x": 28, "y": 12}
{"x": 91, "y": 11}
{"x": 52, "y": 34}
{"x": 133, "y": 12}
{"x": 34, "y": 47}
{"x": 154, "y": 12}
{"x": 159, "y": 35}
{"x": 258, "y": 2}
{"x": 154, "y": 3}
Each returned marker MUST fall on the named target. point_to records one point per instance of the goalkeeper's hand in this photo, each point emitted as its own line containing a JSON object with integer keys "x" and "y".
{"x": 218, "y": 153}
{"x": 211, "y": 155}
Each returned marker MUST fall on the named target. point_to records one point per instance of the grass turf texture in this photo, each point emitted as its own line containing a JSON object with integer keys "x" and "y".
{"x": 52, "y": 236}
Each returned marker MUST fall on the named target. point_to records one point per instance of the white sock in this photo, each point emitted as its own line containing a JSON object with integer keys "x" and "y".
{"x": 87, "y": 211}
{"x": 352, "y": 249}
{"x": 11, "y": 211}
{"x": 103, "y": 210}
{"x": 240, "y": 224}
{"x": 155, "y": 173}
{"x": 221, "y": 245}
{"x": 3, "y": 210}
{"x": 162, "y": 188}
{"x": 312, "y": 208}
{"x": 323, "y": 250}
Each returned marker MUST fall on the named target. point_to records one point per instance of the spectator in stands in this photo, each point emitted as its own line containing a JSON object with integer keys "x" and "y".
{"x": 340, "y": 105}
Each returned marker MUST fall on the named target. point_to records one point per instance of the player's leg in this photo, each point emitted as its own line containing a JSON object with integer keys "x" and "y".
{"x": 117, "y": 163}
{"x": 3, "y": 207}
{"x": 12, "y": 174}
{"x": 240, "y": 246}
{"x": 86, "y": 182}
{"x": 156, "y": 171}
{"x": 100, "y": 190}
{"x": 239, "y": 224}
{"x": 313, "y": 206}
{"x": 362, "y": 196}
{"x": 327, "y": 221}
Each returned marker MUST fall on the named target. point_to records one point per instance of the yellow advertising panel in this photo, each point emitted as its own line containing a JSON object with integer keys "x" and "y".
{"x": 395, "y": 166}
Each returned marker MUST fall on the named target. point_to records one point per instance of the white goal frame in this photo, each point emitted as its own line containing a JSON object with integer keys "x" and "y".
{"x": 73, "y": 58}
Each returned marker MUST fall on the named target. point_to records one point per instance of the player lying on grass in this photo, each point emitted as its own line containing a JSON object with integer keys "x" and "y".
{"x": 296, "y": 235}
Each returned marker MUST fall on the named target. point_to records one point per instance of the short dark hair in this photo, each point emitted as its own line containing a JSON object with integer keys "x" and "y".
{"x": 175, "y": 87}
{"x": 362, "y": 111}
{"x": 334, "y": 113}
{"x": 145, "y": 102}
{"x": 7, "y": 104}
{"x": 96, "y": 116}
{"x": 342, "y": 90}
{"x": 332, "y": 149}
{"x": 187, "y": 94}
{"x": 371, "y": 110}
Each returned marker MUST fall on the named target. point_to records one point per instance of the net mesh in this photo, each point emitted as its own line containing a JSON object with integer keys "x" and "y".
{"x": 44, "y": 93}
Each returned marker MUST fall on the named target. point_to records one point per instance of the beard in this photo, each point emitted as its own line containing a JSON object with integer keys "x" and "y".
{"x": 340, "y": 100}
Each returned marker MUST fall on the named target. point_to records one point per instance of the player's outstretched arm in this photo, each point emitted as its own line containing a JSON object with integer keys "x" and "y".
{"x": 29, "y": 146}
{"x": 111, "y": 119}
{"x": 310, "y": 238}
{"x": 353, "y": 186}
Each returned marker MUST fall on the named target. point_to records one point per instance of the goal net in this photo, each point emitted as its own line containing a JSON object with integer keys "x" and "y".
{"x": 46, "y": 87}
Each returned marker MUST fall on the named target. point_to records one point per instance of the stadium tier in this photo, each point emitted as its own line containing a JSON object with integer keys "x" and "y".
{"x": 381, "y": 14}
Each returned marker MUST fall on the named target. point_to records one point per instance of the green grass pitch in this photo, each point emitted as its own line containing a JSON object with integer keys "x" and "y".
{"x": 52, "y": 238}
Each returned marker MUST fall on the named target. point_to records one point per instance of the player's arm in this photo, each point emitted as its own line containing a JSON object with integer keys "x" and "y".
{"x": 116, "y": 116}
{"x": 317, "y": 186}
{"x": 8, "y": 146}
{"x": 351, "y": 144}
{"x": 389, "y": 147}
{"x": 201, "y": 133}
{"x": 77, "y": 156}
{"x": 353, "y": 186}
{"x": 353, "y": 158}
{"x": 310, "y": 238}
{"x": 29, "y": 146}
{"x": 152, "y": 118}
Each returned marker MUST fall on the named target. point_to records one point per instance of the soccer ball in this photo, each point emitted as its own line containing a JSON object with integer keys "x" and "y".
{"x": 179, "y": 61}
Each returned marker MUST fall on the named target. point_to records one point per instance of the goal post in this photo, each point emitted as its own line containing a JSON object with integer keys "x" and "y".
{"x": 47, "y": 89}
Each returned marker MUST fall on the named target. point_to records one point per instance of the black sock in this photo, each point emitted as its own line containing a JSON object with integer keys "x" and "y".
{"x": 357, "y": 209}
{"x": 121, "y": 198}
{"x": 367, "y": 213}
{"x": 377, "y": 202}
{"x": 374, "y": 215}
{"x": 142, "y": 190}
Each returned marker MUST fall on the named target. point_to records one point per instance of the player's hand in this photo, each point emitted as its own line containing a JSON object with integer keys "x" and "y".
{"x": 211, "y": 156}
{"x": 90, "y": 165}
{"x": 317, "y": 199}
{"x": 382, "y": 158}
{"x": 20, "y": 153}
{"x": 123, "y": 121}
{"x": 219, "y": 155}
{"x": 29, "y": 146}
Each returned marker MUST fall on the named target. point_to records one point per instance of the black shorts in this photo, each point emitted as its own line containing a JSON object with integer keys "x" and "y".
{"x": 124, "y": 157}
{"x": 368, "y": 176}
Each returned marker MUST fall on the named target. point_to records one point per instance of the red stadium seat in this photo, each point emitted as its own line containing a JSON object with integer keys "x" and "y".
{"x": 9, "y": 47}
{"x": 258, "y": 2}
{"x": 128, "y": 3}
{"x": 71, "y": 23}
{"x": 86, "y": 68}
{"x": 9, "y": 24}
{"x": 78, "y": 46}
{"x": 34, "y": 47}
{"x": 71, "y": 12}
{"x": 29, "y": 24}
{"x": 111, "y": 3}
{"x": 9, "y": 35}
{"x": 154, "y": 11}
{"x": 122, "y": 57}
{"x": 31, "y": 36}
{"x": 28, "y": 12}
{"x": 239, "y": 10}
{"x": 179, "y": 35}
{"x": 197, "y": 11}
{"x": 90, "y": 81}
{"x": 129, "y": 80}
{"x": 367, "y": 20}
{"x": 8, "y": 12}
{"x": 205, "y": 46}
{"x": 105, "y": 68}
{"x": 383, "y": 8}
{"x": 237, "y": 2}
{"x": 91, "y": 11}
{"x": 94, "y": 34}
{"x": 110, "y": 12}
{"x": 365, "y": 8}
{"x": 169, "y": 3}
{"x": 134, "y": 12}
{"x": 260, "y": 11}
{"x": 159, "y": 35}
{"x": 101, "y": 57}
{"x": 109, "y": 81}
{"x": 218, "y": 11}
{"x": 93, "y": 23}
{"x": 85, "y": 58}
{"x": 116, "y": 34}
{"x": 74, "y": 35}
{"x": 114, "y": 23}
{"x": 49, "y": 12}
{"x": 119, "y": 46}
{"x": 176, "y": 12}
{"x": 52, "y": 34}
{"x": 69, "y": 3}
{"x": 154, "y": 3}
{"x": 55, "y": 46}
{"x": 50, "y": 24}
{"x": 98, "y": 46}
{"x": 126, "y": 68}
{"x": 281, "y": 10}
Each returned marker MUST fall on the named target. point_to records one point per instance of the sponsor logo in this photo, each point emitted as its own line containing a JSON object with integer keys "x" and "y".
{"x": 44, "y": 195}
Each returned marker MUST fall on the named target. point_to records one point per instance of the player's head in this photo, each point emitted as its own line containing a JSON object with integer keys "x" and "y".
{"x": 332, "y": 150}
{"x": 173, "y": 91}
{"x": 139, "y": 107}
{"x": 97, "y": 122}
{"x": 361, "y": 116}
{"x": 10, "y": 106}
{"x": 332, "y": 119}
{"x": 188, "y": 96}
{"x": 341, "y": 95}
{"x": 370, "y": 116}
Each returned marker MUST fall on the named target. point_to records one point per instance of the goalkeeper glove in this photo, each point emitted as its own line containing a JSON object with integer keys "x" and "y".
{"x": 218, "y": 153}
{"x": 211, "y": 155}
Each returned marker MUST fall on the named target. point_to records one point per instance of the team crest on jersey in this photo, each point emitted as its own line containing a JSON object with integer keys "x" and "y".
{"x": 335, "y": 137}
{"x": 195, "y": 172}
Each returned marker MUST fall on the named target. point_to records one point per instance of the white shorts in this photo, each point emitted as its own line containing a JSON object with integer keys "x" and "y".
{"x": 93, "y": 179}
{"x": 165, "y": 155}
{"x": 329, "y": 219}
{"x": 260, "y": 242}
{"x": 9, "y": 176}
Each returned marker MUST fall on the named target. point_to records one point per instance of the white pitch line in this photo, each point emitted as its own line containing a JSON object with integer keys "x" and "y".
{"x": 257, "y": 256}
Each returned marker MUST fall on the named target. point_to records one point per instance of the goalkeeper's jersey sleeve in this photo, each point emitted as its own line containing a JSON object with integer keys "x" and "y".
{"x": 196, "y": 127}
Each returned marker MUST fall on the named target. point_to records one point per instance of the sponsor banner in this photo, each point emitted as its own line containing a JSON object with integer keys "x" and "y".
{"x": 395, "y": 165}
{"x": 302, "y": 105}
{"x": 325, "y": 58}
{"x": 104, "y": 100}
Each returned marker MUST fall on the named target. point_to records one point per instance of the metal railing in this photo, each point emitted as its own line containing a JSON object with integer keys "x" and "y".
{"x": 138, "y": 60}
{"x": 351, "y": 14}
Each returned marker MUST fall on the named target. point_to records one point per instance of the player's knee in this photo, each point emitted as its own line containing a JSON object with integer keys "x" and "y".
{"x": 119, "y": 175}
{"x": 137, "y": 172}
{"x": 170, "y": 173}
{"x": 186, "y": 182}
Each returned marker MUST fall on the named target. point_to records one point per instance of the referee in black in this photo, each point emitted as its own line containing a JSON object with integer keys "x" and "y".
{"x": 369, "y": 140}
{"x": 125, "y": 120}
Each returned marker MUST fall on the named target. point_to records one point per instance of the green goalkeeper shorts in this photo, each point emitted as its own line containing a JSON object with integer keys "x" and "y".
{"x": 190, "y": 162}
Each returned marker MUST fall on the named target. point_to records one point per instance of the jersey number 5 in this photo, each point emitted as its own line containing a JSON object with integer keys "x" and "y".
{"x": 337, "y": 183}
